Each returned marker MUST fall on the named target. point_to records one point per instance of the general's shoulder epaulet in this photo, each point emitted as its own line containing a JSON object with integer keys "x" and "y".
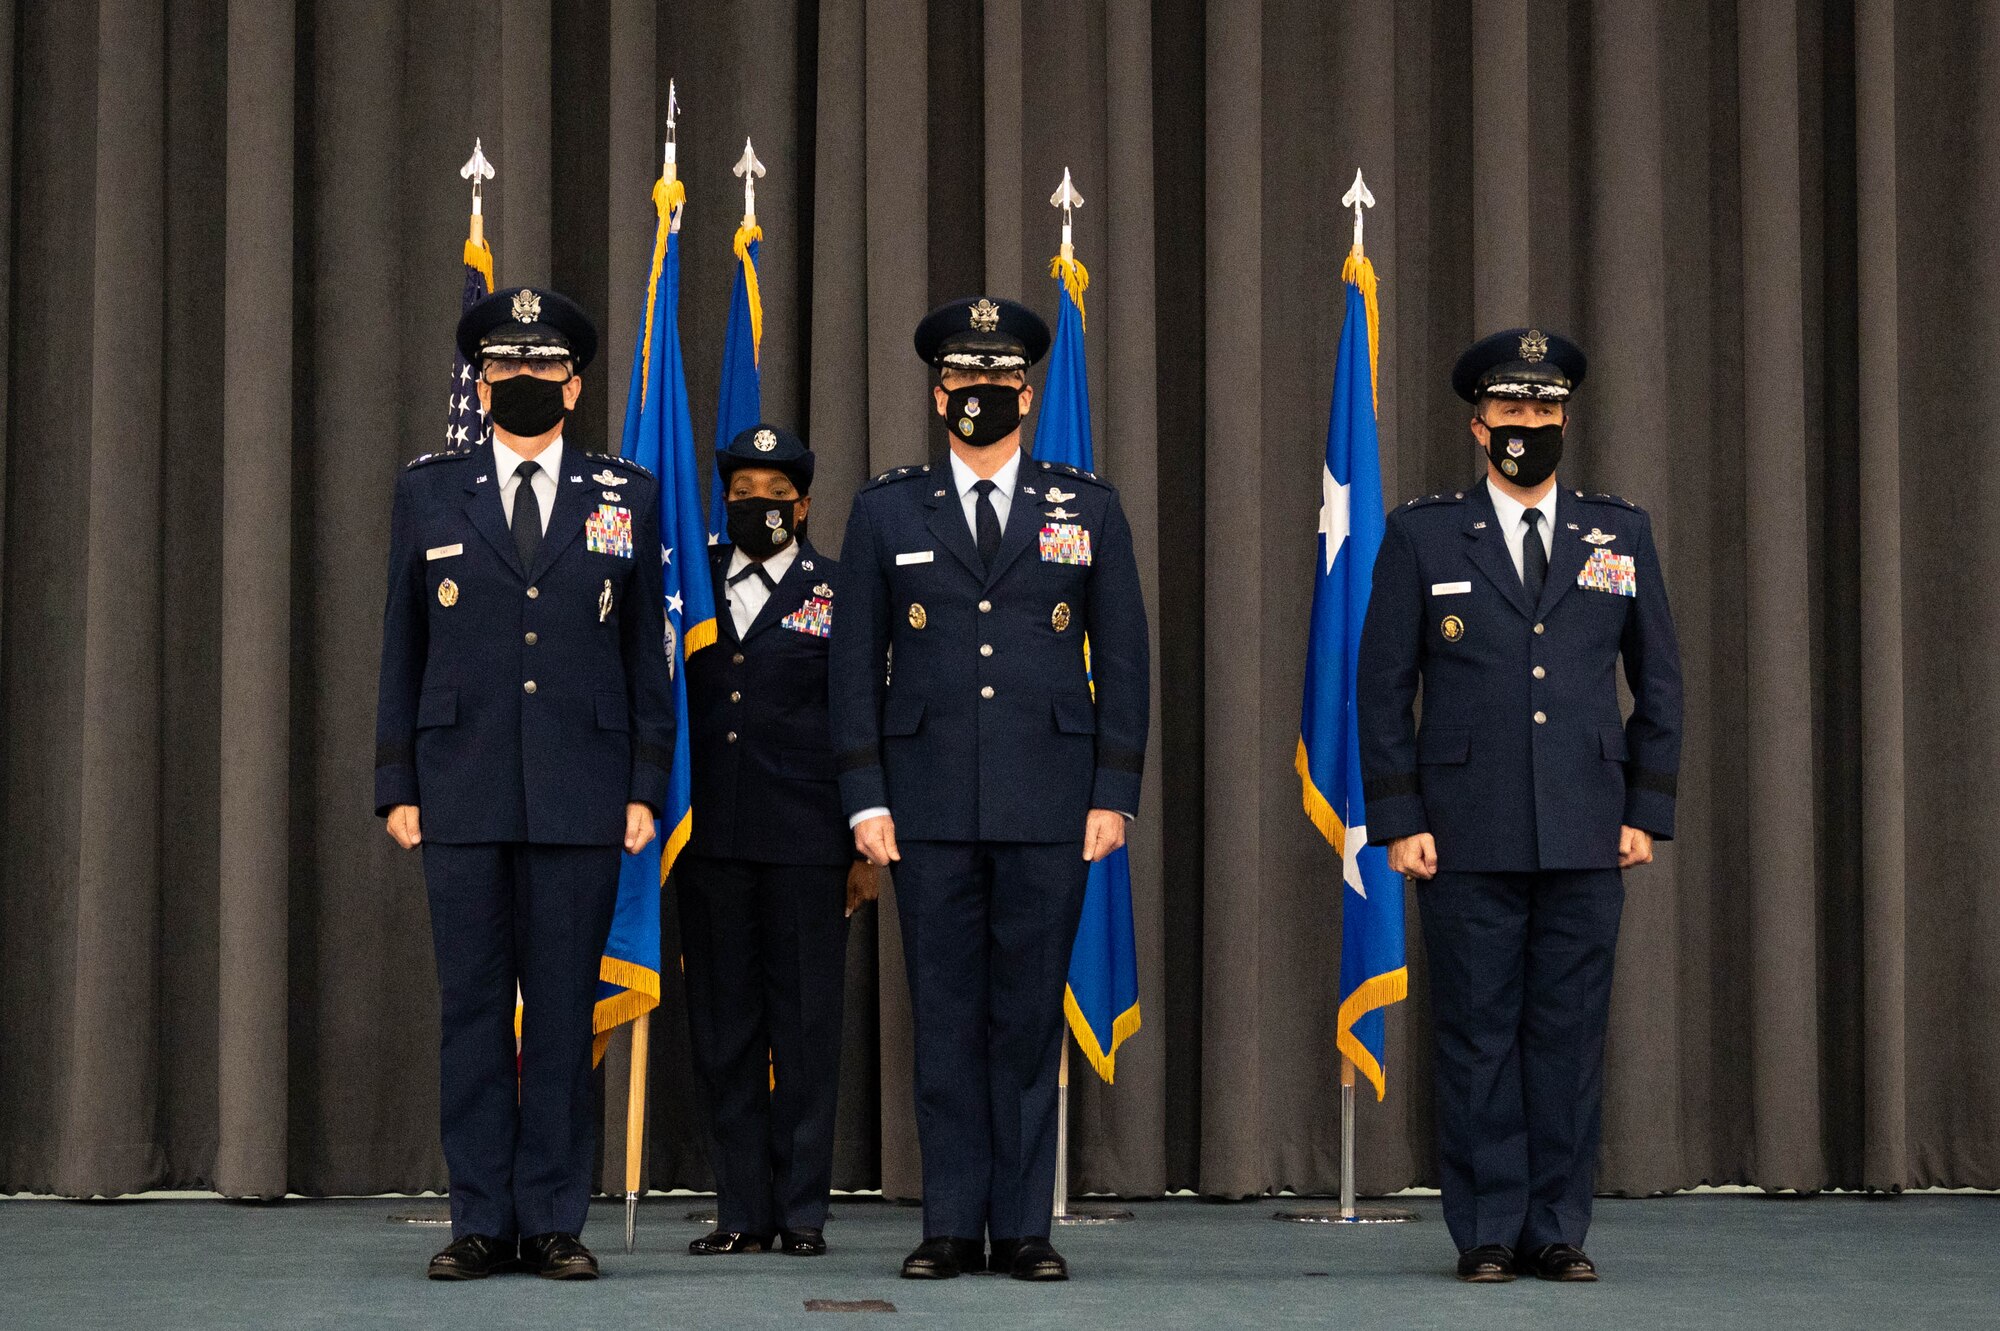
{"x": 617, "y": 461}
{"x": 895, "y": 474}
{"x": 1619, "y": 500}
{"x": 1075, "y": 473}
{"x": 1425, "y": 501}
{"x": 447, "y": 455}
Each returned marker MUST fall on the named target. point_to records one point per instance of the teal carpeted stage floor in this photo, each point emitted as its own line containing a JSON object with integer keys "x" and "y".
{"x": 1706, "y": 1262}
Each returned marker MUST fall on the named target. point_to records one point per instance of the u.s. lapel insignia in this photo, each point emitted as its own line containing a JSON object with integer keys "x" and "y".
{"x": 1059, "y": 617}
{"x": 447, "y": 593}
{"x": 527, "y": 307}
{"x": 917, "y": 616}
{"x": 479, "y": 480}
{"x": 1573, "y": 527}
{"x": 1596, "y": 537}
{"x": 1477, "y": 526}
{"x": 1058, "y": 495}
{"x": 1061, "y": 514}
{"x": 605, "y": 477}
{"x": 1027, "y": 489}
{"x": 1453, "y": 628}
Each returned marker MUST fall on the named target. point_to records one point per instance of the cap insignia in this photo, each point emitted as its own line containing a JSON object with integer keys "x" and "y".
{"x": 1534, "y": 346}
{"x": 986, "y": 316}
{"x": 765, "y": 441}
{"x": 527, "y": 307}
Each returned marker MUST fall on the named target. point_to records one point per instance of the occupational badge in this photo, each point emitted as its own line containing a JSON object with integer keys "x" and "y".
{"x": 1062, "y": 514}
{"x": 608, "y": 531}
{"x": 764, "y": 441}
{"x": 815, "y": 617}
{"x": 1597, "y": 537}
{"x": 604, "y": 602}
{"x": 917, "y": 616}
{"x": 613, "y": 496}
{"x": 1058, "y": 495}
{"x": 986, "y": 316}
{"x": 606, "y": 477}
{"x": 1065, "y": 543}
{"x": 822, "y": 591}
{"x": 447, "y": 593}
{"x": 1606, "y": 572}
{"x": 1453, "y": 628}
{"x": 1059, "y": 617}
{"x": 527, "y": 307}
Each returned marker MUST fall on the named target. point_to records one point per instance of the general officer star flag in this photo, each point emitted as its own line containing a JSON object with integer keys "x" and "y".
{"x": 1102, "y": 999}
{"x": 1372, "y": 972}
{"x": 659, "y": 435}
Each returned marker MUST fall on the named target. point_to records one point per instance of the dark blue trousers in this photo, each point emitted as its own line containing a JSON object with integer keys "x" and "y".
{"x": 1520, "y": 969}
{"x": 766, "y": 952}
{"x": 987, "y": 931}
{"x": 520, "y": 1149}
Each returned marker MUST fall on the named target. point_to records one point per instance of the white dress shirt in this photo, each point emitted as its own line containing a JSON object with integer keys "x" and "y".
{"x": 1508, "y": 511}
{"x": 747, "y": 598}
{"x": 506, "y": 462}
{"x": 1003, "y": 490}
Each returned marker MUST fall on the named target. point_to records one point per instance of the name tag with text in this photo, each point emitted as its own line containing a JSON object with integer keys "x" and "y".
{"x": 1450, "y": 588}
{"x": 444, "y": 551}
{"x": 916, "y": 557}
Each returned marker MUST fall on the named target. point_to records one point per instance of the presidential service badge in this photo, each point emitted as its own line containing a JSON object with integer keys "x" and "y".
{"x": 986, "y": 316}
{"x": 765, "y": 441}
{"x": 447, "y": 593}
{"x": 1059, "y": 617}
{"x": 917, "y": 616}
{"x": 1453, "y": 628}
{"x": 527, "y": 307}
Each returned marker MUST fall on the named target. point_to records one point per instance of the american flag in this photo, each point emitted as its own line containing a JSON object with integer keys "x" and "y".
{"x": 464, "y": 424}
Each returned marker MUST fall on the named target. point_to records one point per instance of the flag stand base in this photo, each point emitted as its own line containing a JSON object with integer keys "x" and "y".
{"x": 704, "y": 1217}
{"x": 1093, "y": 1215}
{"x": 439, "y": 1216}
{"x": 1346, "y": 1215}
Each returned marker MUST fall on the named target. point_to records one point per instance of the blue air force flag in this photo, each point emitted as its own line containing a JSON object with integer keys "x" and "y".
{"x": 1372, "y": 972}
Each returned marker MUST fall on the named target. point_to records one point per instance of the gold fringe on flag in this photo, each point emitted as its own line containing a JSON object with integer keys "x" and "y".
{"x": 744, "y": 235}
{"x": 1076, "y": 280}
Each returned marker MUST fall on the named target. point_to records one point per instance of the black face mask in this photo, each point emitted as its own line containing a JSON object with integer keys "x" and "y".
{"x": 527, "y": 406}
{"x": 983, "y": 414}
{"x": 762, "y": 527}
{"x": 1526, "y": 455}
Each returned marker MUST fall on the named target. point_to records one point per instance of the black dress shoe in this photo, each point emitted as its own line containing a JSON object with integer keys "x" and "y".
{"x": 1559, "y": 1261}
{"x": 1488, "y": 1264}
{"x": 943, "y": 1258}
{"x": 558, "y": 1257}
{"x": 474, "y": 1257}
{"x": 724, "y": 1242}
{"x": 1035, "y": 1259}
{"x": 802, "y": 1242}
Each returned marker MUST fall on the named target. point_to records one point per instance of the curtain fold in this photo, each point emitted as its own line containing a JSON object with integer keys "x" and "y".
{"x": 233, "y": 234}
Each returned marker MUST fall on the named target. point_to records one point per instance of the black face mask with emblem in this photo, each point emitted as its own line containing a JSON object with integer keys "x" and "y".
{"x": 762, "y": 527}
{"x": 982, "y": 414}
{"x": 1525, "y": 455}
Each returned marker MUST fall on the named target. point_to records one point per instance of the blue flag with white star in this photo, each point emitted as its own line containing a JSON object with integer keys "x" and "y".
{"x": 659, "y": 435}
{"x": 1102, "y": 998}
{"x": 1372, "y": 971}
{"x": 464, "y": 423}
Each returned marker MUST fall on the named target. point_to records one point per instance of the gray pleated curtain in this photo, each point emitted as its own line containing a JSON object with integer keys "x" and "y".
{"x": 232, "y": 233}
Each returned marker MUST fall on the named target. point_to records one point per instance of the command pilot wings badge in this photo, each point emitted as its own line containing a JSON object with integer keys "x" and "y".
{"x": 607, "y": 477}
{"x": 1596, "y": 537}
{"x": 1058, "y": 495}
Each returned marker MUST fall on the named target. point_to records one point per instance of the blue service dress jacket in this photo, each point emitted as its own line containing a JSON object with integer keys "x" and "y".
{"x": 764, "y": 787}
{"x": 524, "y": 704}
{"x": 962, "y": 698}
{"x": 1524, "y": 760}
